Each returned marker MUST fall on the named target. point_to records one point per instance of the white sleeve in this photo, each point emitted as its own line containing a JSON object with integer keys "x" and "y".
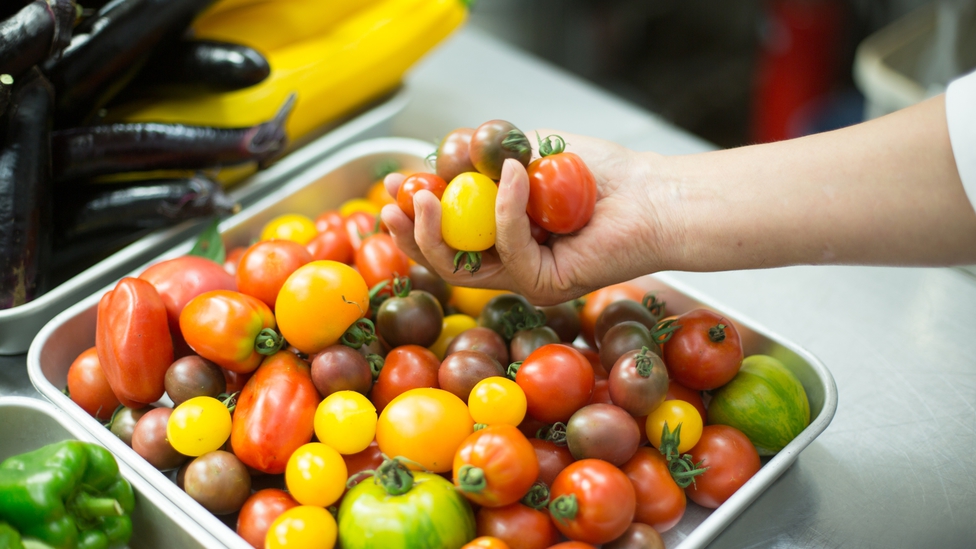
{"x": 961, "y": 116}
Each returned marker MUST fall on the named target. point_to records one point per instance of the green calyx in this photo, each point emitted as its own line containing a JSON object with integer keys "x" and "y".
{"x": 537, "y": 497}
{"x": 394, "y": 477}
{"x": 717, "y": 333}
{"x": 229, "y": 400}
{"x": 663, "y": 330}
{"x": 555, "y": 433}
{"x": 268, "y": 342}
{"x": 517, "y": 319}
{"x": 471, "y": 261}
{"x": 362, "y": 332}
{"x": 564, "y": 508}
{"x": 516, "y": 142}
{"x": 376, "y": 363}
{"x": 480, "y": 426}
{"x": 683, "y": 469}
{"x": 401, "y": 286}
{"x": 385, "y": 167}
{"x": 653, "y": 305}
{"x": 471, "y": 479}
{"x": 513, "y": 369}
{"x": 644, "y": 363}
{"x": 551, "y": 145}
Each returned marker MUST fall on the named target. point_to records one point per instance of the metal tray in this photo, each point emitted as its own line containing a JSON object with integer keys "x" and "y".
{"x": 19, "y": 325}
{"x": 345, "y": 175}
{"x": 27, "y": 424}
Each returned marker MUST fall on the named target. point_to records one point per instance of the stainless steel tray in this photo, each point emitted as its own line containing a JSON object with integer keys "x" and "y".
{"x": 27, "y": 424}
{"x": 19, "y": 325}
{"x": 345, "y": 175}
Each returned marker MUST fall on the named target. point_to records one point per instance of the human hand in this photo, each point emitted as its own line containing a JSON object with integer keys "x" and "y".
{"x": 624, "y": 239}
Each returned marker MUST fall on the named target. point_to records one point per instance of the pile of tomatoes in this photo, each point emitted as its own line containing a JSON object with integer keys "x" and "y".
{"x": 379, "y": 406}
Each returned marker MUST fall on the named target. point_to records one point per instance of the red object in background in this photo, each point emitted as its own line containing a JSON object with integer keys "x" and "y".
{"x": 799, "y": 62}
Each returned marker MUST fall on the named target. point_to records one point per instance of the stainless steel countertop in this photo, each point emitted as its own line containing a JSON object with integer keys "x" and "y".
{"x": 896, "y": 468}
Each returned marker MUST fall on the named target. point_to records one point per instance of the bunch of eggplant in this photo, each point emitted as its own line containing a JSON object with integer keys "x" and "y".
{"x": 74, "y": 189}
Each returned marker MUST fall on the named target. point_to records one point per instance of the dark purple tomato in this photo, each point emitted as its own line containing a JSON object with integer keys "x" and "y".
{"x": 496, "y": 141}
{"x": 501, "y": 307}
{"x": 564, "y": 319}
{"x": 626, "y": 336}
{"x": 480, "y": 339}
{"x": 124, "y": 421}
{"x": 375, "y": 347}
{"x": 637, "y": 536}
{"x": 193, "y": 376}
{"x": 526, "y": 341}
{"x": 622, "y": 311}
{"x": 602, "y": 431}
{"x": 149, "y": 440}
{"x": 462, "y": 370}
{"x": 422, "y": 279}
{"x": 415, "y": 319}
{"x": 218, "y": 481}
{"x": 341, "y": 368}
{"x": 452, "y": 154}
{"x": 638, "y": 382}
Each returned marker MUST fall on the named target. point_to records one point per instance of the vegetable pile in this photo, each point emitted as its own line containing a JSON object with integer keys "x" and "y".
{"x": 328, "y": 391}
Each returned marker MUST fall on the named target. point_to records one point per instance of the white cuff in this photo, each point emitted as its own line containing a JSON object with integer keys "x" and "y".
{"x": 961, "y": 117}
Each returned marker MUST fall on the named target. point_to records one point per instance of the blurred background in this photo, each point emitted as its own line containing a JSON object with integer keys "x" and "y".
{"x": 748, "y": 71}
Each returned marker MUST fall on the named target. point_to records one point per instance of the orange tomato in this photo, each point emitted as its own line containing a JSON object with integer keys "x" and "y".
{"x": 426, "y": 426}
{"x": 495, "y": 466}
{"x": 223, "y": 326}
{"x": 377, "y": 195}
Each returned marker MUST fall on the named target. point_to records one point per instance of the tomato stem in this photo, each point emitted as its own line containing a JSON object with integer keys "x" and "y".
{"x": 516, "y": 142}
{"x": 362, "y": 332}
{"x": 682, "y": 469}
{"x": 268, "y": 342}
{"x": 513, "y": 369}
{"x": 555, "y": 433}
{"x": 537, "y": 497}
{"x": 431, "y": 161}
{"x": 108, "y": 424}
{"x": 471, "y": 261}
{"x": 480, "y": 426}
{"x": 376, "y": 363}
{"x": 717, "y": 333}
{"x": 471, "y": 478}
{"x": 394, "y": 477}
{"x": 517, "y": 319}
{"x": 401, "y": 286}
{"x": 552, "y": 144}
{"x": 644, "y": 363}
{"x": 229, "y": 400}
{"x": 653, "y": 305}
{"x": 663, "y": 330}
{"x": 564, "y": 508}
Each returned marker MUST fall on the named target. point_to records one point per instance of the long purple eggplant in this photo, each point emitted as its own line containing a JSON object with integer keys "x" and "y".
{"x": 40, "y": 29}
{"x": 108, "y": 49}
{"x": 205, "y": 65}
{"x": 25, "y": 186}
{"x": 116, "y": 148}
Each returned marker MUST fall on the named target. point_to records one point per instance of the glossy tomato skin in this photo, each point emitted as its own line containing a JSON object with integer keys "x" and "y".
{"x": 425, "y": 425}
{"x": 452, "y": 154}
{"x": 341, "y": 368}
{"x": 602, "y": 431}
{"x": 379, "y": 260}
{"x": 660, "y": 501}
{"x": 407, "y": 367}
{"x": 637, "y": 536}
{"x": 622, "y": 311}
{"x": 622, "y": 338}
{"x": 279, "y": 394}
{"x": 494, "y": 312}
{"x": 677, "y": 391}
{"x": 557, "y": 381}
{"x": 638, "y": 382}
{"x": 705, "y": 352}
{"x": 495, "y": 141}
{"x": 462, "y": 370}
{"x": 562, "y": 193}
{"x": 552, "y": 459}
{"x": 526, "y": 341}
{"x": 133, "y": 341}
{"x": 88, "y": 387}
{"x": 597, "y": 301}
{"x": 329, "y": 219}
{"x": 415, "y": 183}
{"x": 564, "y": 319}
{"x": 414, "y": 319}
{"x": 605, "y": 501}
{"x": 331, "y": 244}
{"x": 731, "y": 460}
{"x": 359, "y": 225}
{"x": 481, "y": 339}
{"x": 518, "y": 525}
{"x": 468, "y": 212}
{"x": 266, "y": 265}
{"x": 222, "y": 326}
{"x": 501, "y": 457}
{"x": 486, "y": 542}
{"x": 259, "y": 511}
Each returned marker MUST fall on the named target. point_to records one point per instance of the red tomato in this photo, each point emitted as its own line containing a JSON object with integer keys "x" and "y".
{"x": 572, "y": 545}
{"x": 731, "y": 460}
{"x": 486, "y": 542}
{"x": 520, "y": 526}
{"x": 495, "y": 466}
{"x": 329, "y": 220}
{"x": 562, "y": 193}
{"x": 368, "y": 460}
{"x": 275, "y": 413}
{"x": 705, "y": 352}
{"x": 601, "y": 392}
{"x": 406, "y": 367}
{"x": 552, "y": 459}
{"x": 333, "y": 244}
{"x": 232, "y": 259}
{"x": 599, "y": 372}
{"x": 557, "y": 381}
{"x": 224, "y": 327}
{"x": 379, "y": 259}
{"x": 592, "y": 501}
{"x": 677, "y": 391}
{"x": 259, "y": 511}
{"x": 660, "y": 501}
{"x": 88, "y": 387}
{"x": 359, "y": 224}
{"x": 418, "y": 182}
{"x": 235, "y": 380}
{"x": 266, "y": 265}
{"x": 598, "y": 300}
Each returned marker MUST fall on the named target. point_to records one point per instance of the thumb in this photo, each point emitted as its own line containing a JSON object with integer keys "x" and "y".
{"x": 516, "y": 248}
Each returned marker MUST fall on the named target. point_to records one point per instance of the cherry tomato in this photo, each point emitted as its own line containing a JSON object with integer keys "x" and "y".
{"x": 451, "y": 327}
{"x": 227, "y": 328}
{"x": 193, "y": 376}
{"x": 572, "y": 545}
{"x": 426, "y": 426}
{"x": 266, "y": 265}
{"x": 598, "y": 370}
{"x": 601, "y": 392}
{"x": 89, "y": 388}
{"x": 518, "y": 525}
{"x": 358, "y": 205}
{"x": 599, "y": 300}
{"x": 592, "y": 501}
{"x": 557, "y": 381}
{"x": 675, "y": 413}
{"x": 468, "y": 217}
{"x": 731, "y": 460}
{"x": 462, "y": 370}
{"x": 259, "y": 511}
{"x": 552, "y": 459}
{"x": 377, "y": 195}
{"x": 432, "y": 283}
{"x": 379, "y": 260}
{"x": 318, "y": 303}
{"x": 302, "y": 527}
{"x": 367, "y": 460}
{"x": 218, "y": 481}
{"x": 602, "y": 431}
{"x": 328, "y": 220}
{"x": 660, "y": 501}
{"x": 341, "y": 368}
{"x": 495, "y": 466}
{"x": 358, "y": 225}
{"x": 199, "y": 425}
{"x": 562, "y": 193}
{"x": 564, "y": 320}
{"x": 486, "y": 542}
{"x": 452, "y": 154}
{"x": 637, "y": 536}
{"x": 483, "y": 340}
{"x": 497, "y": 400}
{"x": 471, "y": 301}
{"x": 150, "y": 441}
{"x": 316, "y": 475}
{"x": 495, "y": 141}
{"x": 346, "y": 421}
{"x": 624, "y": 337}
{"x": 677, "y": 391}
{"x": 409, "y": 317}
{"x": 233, "y": 258}
{"x": 331, "y": 244}
{"x": 290, "y": 227}
{"x": 638, "y": 382}
{"x": 648, "y": 312}
{"x": 705, "y": 352}
{"x": 525, "y": 341}
{"x": 418, "y": 182}
{"x": 407, "y": 367}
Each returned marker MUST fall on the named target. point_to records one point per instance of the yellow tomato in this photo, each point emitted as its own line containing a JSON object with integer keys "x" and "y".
{"x": 198, "y": 426}
{"x": 295, "y": 227}
{"x": 346, "y": 421}
{"x": 358, "y": 205}
{"x": 377, "y": 195}
{"x": 302, "y": 527}
{"x": 318, "y": 302}
{"x": 496, "y": 400}
{"x": 451, "y": 326}
{"x": 470, "y": 301}
{"x": 675, "y": 413}
{"x": 316, "y": 475}
{"x": 468, "y": 212}
{"x": 426, "y": 426}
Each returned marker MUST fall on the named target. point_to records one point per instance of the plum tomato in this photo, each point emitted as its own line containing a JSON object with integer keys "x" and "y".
{"x": 494, "y": 142}
{"x": 193, "y": 376}
{"x": 460, "y": 372}
{"x": 341, "y": 368}
{"x": 407, "y": 367}
{"x": 331, "y": 244}
{"x": 409, "y": 317}
{"x": 259, "y": 511}
{"x": 150, "y": 442}
{"x": 452, "y": 154}
{"x": 704, "y": 352}
{"x": 660, "y": 501}
{"x": 518, "y": 525}
{"x": 295, "y": 227}
{"x": 592, "y": 501}
{"x": 638, "y": 382}
{"x": 495, "y": 466}
{"x": 481, "y": 339}
{"x": 496, "y": 400}
{"x": 562, "y": 190}
{"x": 380, "y": 260}
{"x": 468, "y": 218}
{"x": 552, "y": 459}
{"x": 597, "y": 301}
{"x": 232, "y": 329}
{"x": 316, "y": 475}
{"x": 557, "y": 381}
{"x": 358, "y": 226}
{"x": 346, "y": 421}
{"x": 218, "y": 481}
{"x": 88, "y": 387}
{"x": 602, "y": 431}
{"x": 266, "y": 265}
{"x": 730, "y": 460}
{"x": 426, "y": 426}
{"x": 675, "y": 414}
{"x": 418, "y": 182}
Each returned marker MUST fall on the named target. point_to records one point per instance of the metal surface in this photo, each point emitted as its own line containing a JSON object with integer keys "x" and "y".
{"x": 18, "y": 325}
{"x": 27, "y": 424}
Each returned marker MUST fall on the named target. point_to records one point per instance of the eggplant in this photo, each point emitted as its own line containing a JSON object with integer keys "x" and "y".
{"x": 89, "y": 151}
{"x": 92, "y": 210}
{"x": 39, "y": 30}
{"x": 25, "y": 187}
{"x": 202, "y": 65}
{"x": 109, "y": 47}
{"x": 6, "y": 84}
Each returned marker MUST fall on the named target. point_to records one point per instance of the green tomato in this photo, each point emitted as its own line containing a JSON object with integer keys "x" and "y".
{"x": 468, "y": 212}
{"x": 431, "y": 514}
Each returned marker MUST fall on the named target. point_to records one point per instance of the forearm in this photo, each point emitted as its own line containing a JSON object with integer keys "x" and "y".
{"x": 883, "y": 192}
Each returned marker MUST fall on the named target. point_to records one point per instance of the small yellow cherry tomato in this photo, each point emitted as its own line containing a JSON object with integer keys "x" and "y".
{"x": 358, "y": 205}
{"x": 496, "y": 400}
{"x": 675, "y": 413}
{"x": 471, "y": 301}
{"x": 295, "y": 227}
{"x": 377, "y": 195}
{"x": 316, "y": 475}
{"x": 451, "y": 326}
{"x": 198, "y": 426}
{"x": 346, "y": 421}
{"x": 302, "y": 527}
{"x": 426, "y": 426}
{"x": 468, "y": 212}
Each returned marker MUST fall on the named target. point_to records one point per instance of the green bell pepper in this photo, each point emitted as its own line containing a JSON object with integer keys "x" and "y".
{"x": 67, "y": 495}
{"x": 9, "y": 538}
